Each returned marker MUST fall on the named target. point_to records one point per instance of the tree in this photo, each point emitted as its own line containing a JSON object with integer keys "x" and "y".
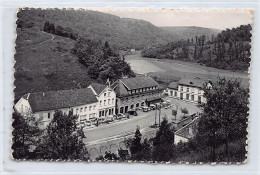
{"x": 63, "y": 140}
{"x": 184, "y": 111}
{"x": 24, "y": 135}
{"x": 163, "y": 143}
{"x": 225, "y": 114}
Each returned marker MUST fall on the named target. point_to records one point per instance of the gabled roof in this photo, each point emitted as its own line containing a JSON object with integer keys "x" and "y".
{"x": 122, "y": 86}
{"x": 197, "y": 82}
{"x": 138, "y": 82}
{"x": 173, "y": 85}
{"x": 98, "y": 88}
{"x": 51, "y": 100}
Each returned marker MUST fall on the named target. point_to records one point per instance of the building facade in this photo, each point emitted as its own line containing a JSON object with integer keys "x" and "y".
{"x": 42, "y": 105}
{"x": 132, "y": 93}
{"x": 106, "y": 99}
{"x": 188, "y": 90}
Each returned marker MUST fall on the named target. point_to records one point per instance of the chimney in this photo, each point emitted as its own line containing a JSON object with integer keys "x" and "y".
{"x": 28, "y": 96}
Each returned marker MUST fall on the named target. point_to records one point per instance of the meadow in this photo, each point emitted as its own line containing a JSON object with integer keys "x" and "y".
{"x": 44, "y": 63}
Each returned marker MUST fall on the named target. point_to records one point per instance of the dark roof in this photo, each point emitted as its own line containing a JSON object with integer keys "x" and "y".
{"x": 173, "y": 85}
{"x": 98, "y": 87}
{"x": 51, "y": 100}
{"x": 192, "y": 82}
{"x": 139, "y": 82}
{"x": 184, "y": 131}
{"x": 122, "y": 86}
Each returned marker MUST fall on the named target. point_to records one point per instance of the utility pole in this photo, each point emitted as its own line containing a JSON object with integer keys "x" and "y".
{"x": 155, "y": 117}
{"x": 160, "y": 115}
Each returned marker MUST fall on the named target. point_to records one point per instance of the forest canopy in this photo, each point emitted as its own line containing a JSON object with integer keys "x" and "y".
{"x": 230, "y": 49}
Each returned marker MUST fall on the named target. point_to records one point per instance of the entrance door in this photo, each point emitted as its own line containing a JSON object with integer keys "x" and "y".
{"x": 181, "y": 96}
{"x": 126, "y": 109}
{"x": 199, "y": 99}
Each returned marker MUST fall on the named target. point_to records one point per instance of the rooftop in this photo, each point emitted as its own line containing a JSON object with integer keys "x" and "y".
{"x": 98, "y": 88}
{"x": 173, "y": 85}
{"x": 51, "y": 100}
{"x": 197, "y": 82}
{"x": 138, "y": 82}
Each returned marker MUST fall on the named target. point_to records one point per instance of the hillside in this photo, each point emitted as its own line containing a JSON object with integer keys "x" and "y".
{"x": 121, "y": 33}
{"x": 44, "y": 63}
{"x": 229, "y": 50}
{"x": 186, "y": 32}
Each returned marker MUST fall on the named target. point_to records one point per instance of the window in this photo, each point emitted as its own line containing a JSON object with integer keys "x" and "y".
{"x": 105, "y": 102}
{"x": 100, "y": 102}
{"x": 171, "y": 93}
{"x": 22, "y": 108}
{"x": 108, "y": 101}
{"x": 77, "y": 110}
{"x": 85, "y": 109}
{"x": 187, "y": 96}
{"x": 81, "y": 109}
{"x": 188, "y": 89}
{"x": 132, "y": 106}
{"x": 94, "y": 107}
{"x": 181, "y": 88}
{"x": 192, "y": 97}
{"x": 100, "y": 113}
{"x": 112, "y": 100}
{"x": 175, "y": 94}
{"x": 49, "y": 115}
{"x": 137, "y": 105}
{"x": 126, "y": 99}
{"x": 105, "y": 94}
{"x": 90, "y": 108}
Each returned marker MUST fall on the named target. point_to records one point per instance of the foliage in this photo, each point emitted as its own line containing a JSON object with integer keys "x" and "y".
{"x": 163, "y": 143}
{"x": 59, "y": 30}
{"x": 184, "y": 111}
{"x": 102, "y": 61}
{"x": 24, "y": 136}
{"x": 63, "y": 140}
{"x": 139, "y": 150}
{"x": 230, "y": 49}
{"x": 108, "y": 156}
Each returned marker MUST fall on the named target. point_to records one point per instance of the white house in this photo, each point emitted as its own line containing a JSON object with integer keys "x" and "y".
{"x": 42, "y": 105}
{"x": 188, "y": 89}
{"x": 106, "y": 99}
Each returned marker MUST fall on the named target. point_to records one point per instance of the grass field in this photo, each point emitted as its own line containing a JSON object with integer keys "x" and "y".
{"x": 44, "y": 63}
{"x": 172, "y": 70}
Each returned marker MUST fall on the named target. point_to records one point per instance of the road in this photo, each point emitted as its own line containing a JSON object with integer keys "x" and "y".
{"x": 143, "y": 120}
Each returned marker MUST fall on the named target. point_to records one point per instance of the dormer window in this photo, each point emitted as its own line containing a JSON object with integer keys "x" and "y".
{"x": 105, "y": 94}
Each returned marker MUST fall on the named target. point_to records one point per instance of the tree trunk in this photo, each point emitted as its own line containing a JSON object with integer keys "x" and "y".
{"x": 214, "y": 148}
{"x": 226, "y": 144}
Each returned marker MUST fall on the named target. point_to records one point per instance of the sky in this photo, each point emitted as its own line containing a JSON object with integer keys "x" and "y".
{"x": 216, "y": 19}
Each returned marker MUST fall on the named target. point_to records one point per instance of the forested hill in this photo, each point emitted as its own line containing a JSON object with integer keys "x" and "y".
{"x": 191, "y": 31}
{"x": 121, "y": 33}
{"x": 230, "y": 49}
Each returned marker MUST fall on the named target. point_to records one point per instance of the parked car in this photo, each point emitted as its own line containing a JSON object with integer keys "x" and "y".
{"x": 152, "y": 106}
{"x": 110, "y": 118}
{"x": 88, "y": 123}
{"x": 82, "y": 124}
{"x": 145, "y": 109}
{"x": 132, "y": 112}
{"x": 120, "y": 116}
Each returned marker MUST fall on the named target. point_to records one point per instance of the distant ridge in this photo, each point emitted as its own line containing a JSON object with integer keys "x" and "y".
{"x": 185, "y": 32}
{"x": 121, "y": 33}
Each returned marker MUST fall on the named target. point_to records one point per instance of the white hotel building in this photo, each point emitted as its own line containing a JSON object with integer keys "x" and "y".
{"x": 88, "y": 103}
{"x": 188, "y": 90}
